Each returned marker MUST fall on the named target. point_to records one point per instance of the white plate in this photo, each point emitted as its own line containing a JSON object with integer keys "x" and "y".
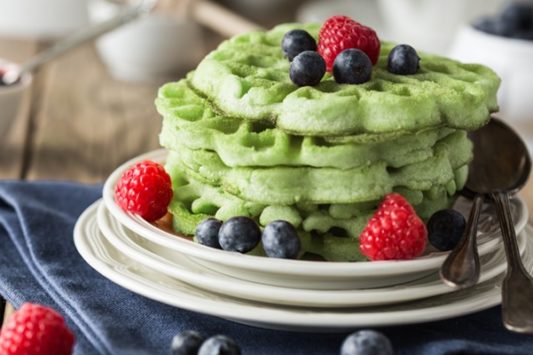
{"x": 175, "y": 264}
{"x": 297, "y": 273}
{"x": 140, "y": 279}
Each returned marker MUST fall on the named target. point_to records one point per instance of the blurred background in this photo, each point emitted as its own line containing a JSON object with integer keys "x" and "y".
{"x": 92, "y": 108}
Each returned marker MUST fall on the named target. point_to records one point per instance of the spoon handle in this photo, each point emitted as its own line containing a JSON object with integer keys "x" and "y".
{"x": 84, "y": 35}
{"x": 503, "y": 208}
{"x": 517, "y": 288}
{"x": 461, "y": 267}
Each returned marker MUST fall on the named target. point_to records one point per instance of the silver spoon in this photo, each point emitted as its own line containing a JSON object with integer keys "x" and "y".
{"x": 461, "y": 268}
{"x": 501, "y": 166}
{"x": 12, "y": 75}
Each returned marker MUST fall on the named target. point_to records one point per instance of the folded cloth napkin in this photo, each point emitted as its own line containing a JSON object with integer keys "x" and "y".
{"x": 39, "y": 263}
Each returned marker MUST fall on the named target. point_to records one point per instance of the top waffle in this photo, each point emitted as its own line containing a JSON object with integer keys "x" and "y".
{"x": 248, "y": 77}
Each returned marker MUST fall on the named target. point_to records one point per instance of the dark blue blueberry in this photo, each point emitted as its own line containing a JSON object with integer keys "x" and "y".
{"x": 366, "y": 342}
{"x": 517, "y": 17}
{"x": 352, "y": 66}
{"x": 239, "y": 234}
{"x": 403, "y": 60}
{"x": 307, "y": 69}
{"x": 280, "y": 240}
{"x": 297, "y": 41}
{"x": 186, "y": 343}
{"x": 445, "y": 229}
{"x": 219, "y": 345}
{"x": 207, "y": 232}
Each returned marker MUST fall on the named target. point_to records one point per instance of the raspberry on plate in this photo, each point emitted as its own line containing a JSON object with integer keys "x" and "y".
{"x": 36, "y": 330}
{"x": 394, "y": 232}
{"x": 145, "y": 189}
{"x": 341, "y": 32}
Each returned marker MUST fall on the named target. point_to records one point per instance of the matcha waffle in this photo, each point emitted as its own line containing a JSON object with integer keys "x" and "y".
{"x": 246, "y": 77}
{"x": 244, "y": 140}
{"x": 190, "y": 121}
{"x": 330, "y": 231}
{"x": 288, "y": 185}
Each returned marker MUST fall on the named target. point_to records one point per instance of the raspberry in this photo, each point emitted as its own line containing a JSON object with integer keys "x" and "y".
{"x": 394, "y": 231}
{"x": 36, "y": 330}
{"x": 339, "y": 33}
{"x": 145, "y": 189}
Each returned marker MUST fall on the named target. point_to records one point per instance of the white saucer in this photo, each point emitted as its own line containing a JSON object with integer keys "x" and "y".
{"x": 138, "y": 278}
{"x": 176, "y": 265}
{"x": 296, "y": 273}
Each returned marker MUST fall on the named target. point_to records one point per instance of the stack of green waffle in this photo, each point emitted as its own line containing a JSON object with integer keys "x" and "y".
{"x": 243, "y": 140}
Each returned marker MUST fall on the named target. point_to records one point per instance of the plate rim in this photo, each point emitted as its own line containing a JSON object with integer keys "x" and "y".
{"x": 312, "y": 320}
{"x": 273, "y": 265}
{"x": 279, "y": 295}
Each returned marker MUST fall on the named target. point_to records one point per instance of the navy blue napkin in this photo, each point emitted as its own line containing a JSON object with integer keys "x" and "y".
{"x": 39, "y": 263}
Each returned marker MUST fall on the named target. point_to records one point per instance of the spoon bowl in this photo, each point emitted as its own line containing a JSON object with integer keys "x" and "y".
{"x": 501, "y": 161}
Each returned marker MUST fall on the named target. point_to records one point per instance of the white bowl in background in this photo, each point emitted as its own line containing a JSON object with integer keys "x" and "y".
{"x": 10, "y": 101}
{"x": 512, "y": 59}
{"x": 431, "y": 24}
{"x": 154, "y": 48}
{"x": 43, "y": 19}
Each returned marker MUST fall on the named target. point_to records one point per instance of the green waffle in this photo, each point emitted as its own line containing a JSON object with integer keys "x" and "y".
{"x": 288, "y": 185}
{"x": 190, "y": 121}
{"x": 330, "y": 231}
{"x": 248, "y": 77}
{"x": 244, "y": 141}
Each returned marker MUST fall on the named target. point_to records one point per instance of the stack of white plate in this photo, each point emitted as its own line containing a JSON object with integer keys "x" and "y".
{"x": 285, "y": 294}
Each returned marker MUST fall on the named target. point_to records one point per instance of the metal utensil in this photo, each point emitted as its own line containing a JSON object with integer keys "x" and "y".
{"x": 501, "y": 166}
{"x": 84, "y": 35}
{"x": 461, "y": 268}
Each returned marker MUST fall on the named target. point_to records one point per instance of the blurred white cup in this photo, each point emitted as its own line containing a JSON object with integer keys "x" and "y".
{"x": 431, "y": 24}
{"x": 11, "y": 97}
{"x": 154, "y": 48}
{"x": 512, "y": 59}
{"x": 41, "y": 18}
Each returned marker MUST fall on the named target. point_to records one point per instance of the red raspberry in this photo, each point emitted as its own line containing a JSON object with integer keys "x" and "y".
{"x": 145, "y": 189}
{"x": 36, "y": 330}
{"x": 341, "y": 32}
{"x": 394, "y": 232}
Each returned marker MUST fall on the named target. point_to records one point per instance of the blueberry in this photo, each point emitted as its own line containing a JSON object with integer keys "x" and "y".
{"x": 297, "y": 41}
{"x": 280, "y": 240}
{"x": 366, "y": 342}
{"x": 352, "y": 66}
{"x": 403, "y": 60}
{"x": 186, "y": 343}
{"x": 445, "y": 229}
{"x": 517, "y": 17}
{"x": 219, "y": 345}
{"x": 307, "y": 69}
{"x": 207, "y": 232}
{"x": 239, "y": 234}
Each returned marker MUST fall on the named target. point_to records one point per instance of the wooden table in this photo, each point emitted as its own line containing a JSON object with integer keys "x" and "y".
{"x": 79, "y": 123}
